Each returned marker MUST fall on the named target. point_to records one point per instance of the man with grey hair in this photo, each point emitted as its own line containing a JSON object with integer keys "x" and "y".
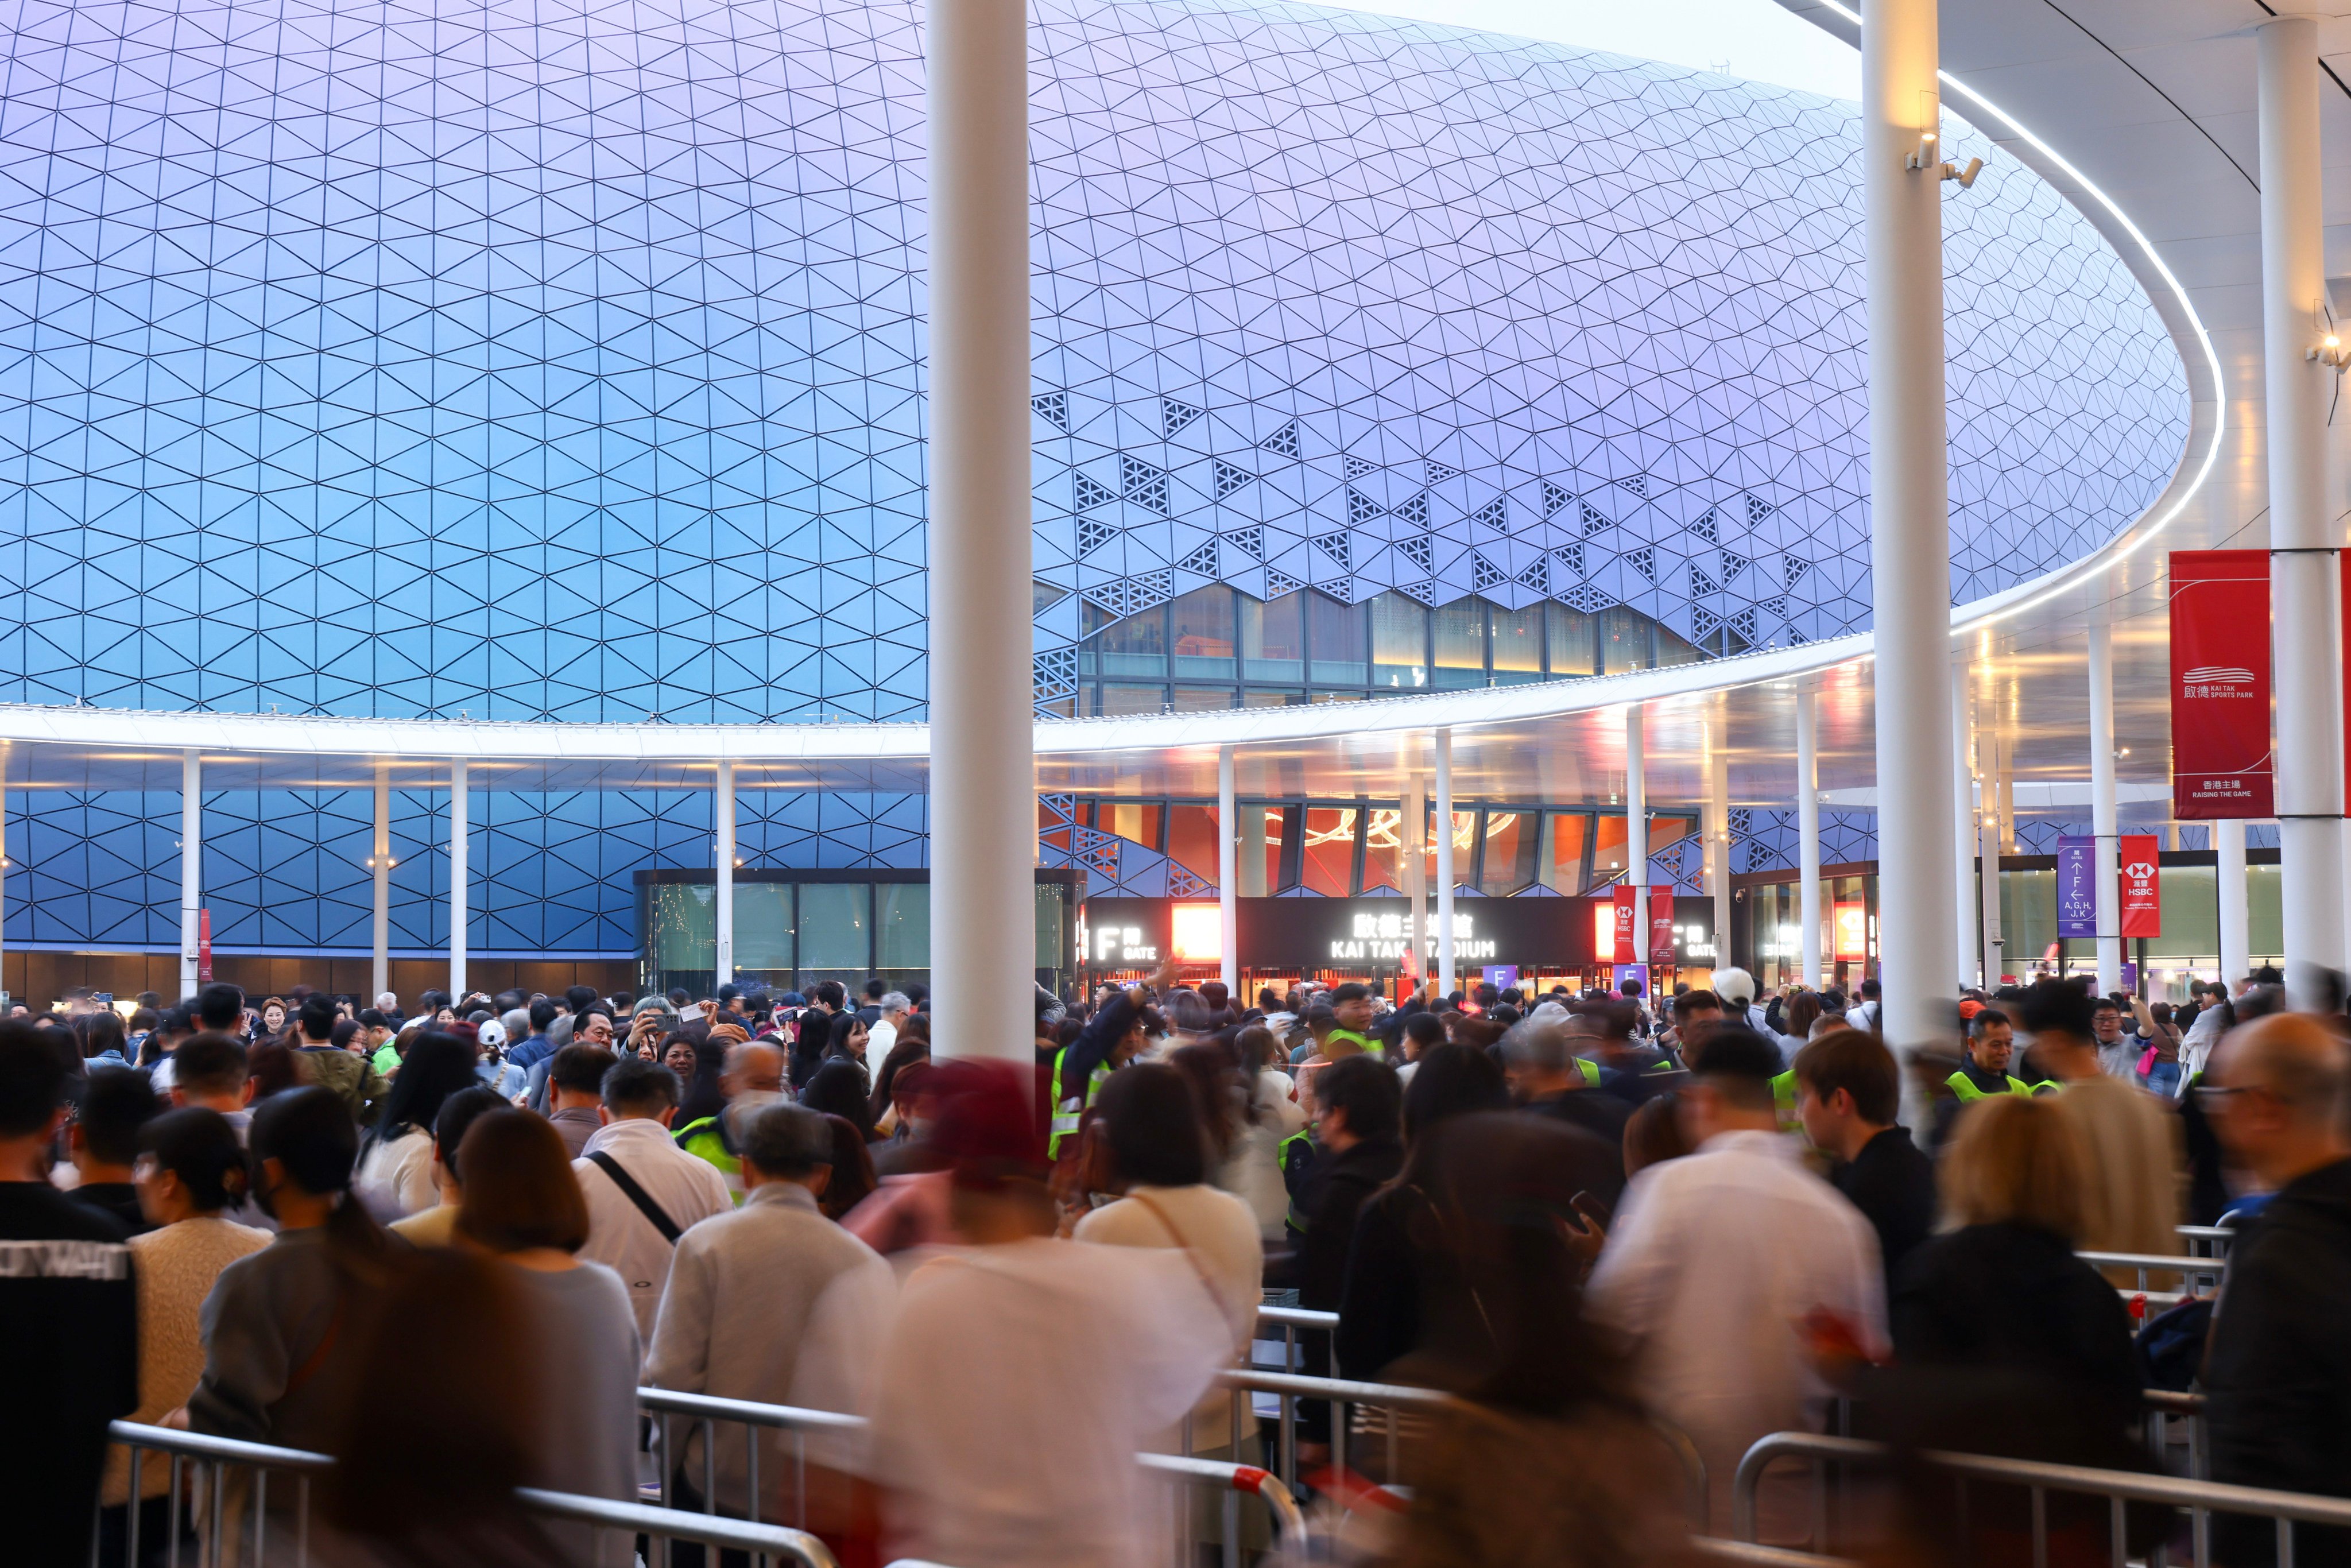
{"x": 884, "y": 1033}
{"x": 1549, "y": 1079}
{"x": 773, "y": 1304}
{"x": 2279, "y": 1367}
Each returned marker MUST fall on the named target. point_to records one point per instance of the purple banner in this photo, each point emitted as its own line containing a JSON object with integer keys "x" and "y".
{"x": 2077, "y": 884}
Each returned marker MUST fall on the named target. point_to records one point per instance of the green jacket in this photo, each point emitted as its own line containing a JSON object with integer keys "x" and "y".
{"x": 352, "y": 1077}
{"x": 707, "y": 1140}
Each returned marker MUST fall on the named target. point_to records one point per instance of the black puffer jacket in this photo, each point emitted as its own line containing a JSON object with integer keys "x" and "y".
{"x": 2279, "y": 1367}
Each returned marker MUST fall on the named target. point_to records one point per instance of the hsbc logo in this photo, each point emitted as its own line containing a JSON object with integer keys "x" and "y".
{"x": 2139, "y": 871}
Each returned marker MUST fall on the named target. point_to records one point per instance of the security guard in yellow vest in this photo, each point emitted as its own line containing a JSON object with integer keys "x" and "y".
{"x": 1112, "y": 1038}
{"x": 1991, "y": 1047}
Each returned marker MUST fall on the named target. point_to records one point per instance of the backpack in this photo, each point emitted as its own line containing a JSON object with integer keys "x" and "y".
{"x": 2170, "y": 1350}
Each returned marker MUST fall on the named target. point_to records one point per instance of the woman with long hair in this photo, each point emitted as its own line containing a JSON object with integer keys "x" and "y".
{"x": 395, "y": 1173}
{"x": 278, "y": 1366}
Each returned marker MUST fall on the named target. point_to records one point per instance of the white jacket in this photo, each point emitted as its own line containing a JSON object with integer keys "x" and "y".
{"x": 620, "y": 1236}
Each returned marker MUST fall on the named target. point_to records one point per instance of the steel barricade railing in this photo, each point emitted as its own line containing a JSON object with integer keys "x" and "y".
{"x": 2165, "y": 1407}
{"x": 2207, "y": 1240}
{"x": 190, "y": 1456}
{"x": 706, "y": 1411}
{"x": 2199, "y": 1498}
{"x": 762, "y": 1540}
{"x": 1289, "y": 1519}
{"x": 2195, "y": 1273}
{"x": 1749, "y": 1555}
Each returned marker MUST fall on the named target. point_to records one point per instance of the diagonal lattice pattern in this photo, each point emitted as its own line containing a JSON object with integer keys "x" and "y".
{"x": 562, "y": 361}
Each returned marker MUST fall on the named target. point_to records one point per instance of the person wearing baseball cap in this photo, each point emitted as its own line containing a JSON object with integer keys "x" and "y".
{"x": 1022, "y": 1373}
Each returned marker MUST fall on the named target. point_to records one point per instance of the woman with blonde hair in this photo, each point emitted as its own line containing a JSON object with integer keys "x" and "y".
{"x": 2007, "y": 1343}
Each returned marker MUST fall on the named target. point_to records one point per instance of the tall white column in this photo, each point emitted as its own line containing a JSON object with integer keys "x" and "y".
{"x": 1989, "y": 747}
{"x": 380, "y": 868}
{"x": 2303, "y": 560}
{"x": 460, "y": 876}
{"x": 1718, "y": 844}
{"x": 1909, "y": 528}
{"x": 1808, "y": 830}
{"x": 1415, "y": 864}
{"x": 1228, "y": 878}
{"x": 1637, "y": 826}
{"x": 2101, "y": 807}
{"x": 2236, "y": 904}
{"x": 723, "y": 809}
{"x": 191, "y": 863}
{"x": 1963, "y": 820}
{"x": 983, "y": 804}
{"x": 1445, "y": 871}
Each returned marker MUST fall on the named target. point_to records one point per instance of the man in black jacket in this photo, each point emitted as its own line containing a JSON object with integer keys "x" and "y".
{"x": 2278, "y": 1368}
{"x": 1358, "y": 1150}
{"x": 67, "y": 1308}
{"x": 1847, "y": 1092}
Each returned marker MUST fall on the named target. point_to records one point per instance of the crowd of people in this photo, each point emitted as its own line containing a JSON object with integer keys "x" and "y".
{"x": 446, "y": 1249}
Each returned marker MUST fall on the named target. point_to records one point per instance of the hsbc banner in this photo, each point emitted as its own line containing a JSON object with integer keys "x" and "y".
{"x": 1661, "y": 926}
{"x": 2141, "y": 885}
{"x": 2221, "y": 762}
{"x": 1627, "y": 939}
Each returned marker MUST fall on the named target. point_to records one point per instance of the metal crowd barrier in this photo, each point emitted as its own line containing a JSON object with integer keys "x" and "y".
{"x": 1747, "y": 1554}
{"x": 2207, "y": 1240}
{"x": 709, "y": 1413}
{"x": 2200, "y": 1500}
{"x": 219, "y": 1544}
{"x": 2200, "y": 1274}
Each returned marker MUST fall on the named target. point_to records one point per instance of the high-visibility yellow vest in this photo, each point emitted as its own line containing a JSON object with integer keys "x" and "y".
{"x": 1965, "y": 1087}
{"x": 1068, "y": 1111}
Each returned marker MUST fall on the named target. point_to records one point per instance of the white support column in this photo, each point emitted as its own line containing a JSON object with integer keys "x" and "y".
{"x": 2302, "y": 547}
{"x": 1717, "y": 842}
{"x": 2003, "y": 772}
{"x": 1964, "y": 845}
{"x": 2103, "y": 820}
{"x": 380, "y": 868}
{"x": 983, "y": 800}
{"x": 1415, "y": 864}
{"x": 722, "y": 812}
{"x": 2236, "y": 904}
{"x": 1995, "y": 944}
{"x": 460, "y": 876}
{"x": 1910, "y": 548}
{"x": 192, "y": 864}
{"x": 1228, "y": 868}
{"x": 1808, "y": 830}
{"x": 1444, "y": 869}
{"x": 1637, "y": 826}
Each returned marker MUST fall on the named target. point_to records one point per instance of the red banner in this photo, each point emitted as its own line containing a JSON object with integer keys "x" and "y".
{"x": 204, "y": 947}
{"x": 1628, "y": 944}
{"x": 2140, "y": 888}
{"x": 2221, "y": 762}
{"x": 1661, "y": 925}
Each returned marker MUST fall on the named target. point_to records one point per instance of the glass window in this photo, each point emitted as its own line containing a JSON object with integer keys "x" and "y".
{"x": 1461, "y": 644}
{"x": 1518, "y": 644}
{"x": 1340, "y": 641}
{"x": 1191, "y": 839}
{"x": 1259, "y": 698}
{"x": 1383, "y": 849}
{"x": 1138, "y": 820}
{"x": 903, "y": 924}
{"x": 1560, "y": 862}
{"x": 685, "y": 925}
{"x": 1053, "y": 950}
{"x": 1608, "y": 845}
{"x": 1327, "y": 858}
{"x": 1665, "y": 831}
{"x": 1135, "y": 646}
{"x": 1624, "y": 640}
{"x": 1336, "y": 698}
{"x": 1465, "y": 849}
{"x": 1199, "y": 699}
{"x": 1258, "y": 857}
{"x": 763, "y": 925}
{"x": 1569, "y": 632}
{"x": 1399, "y": 642}
{"x": 1673, "y": 650}
{"x": 1273, "y": 638}
{"x": 1509, "y": 862}
{"x": 833, "y": 921}
{"x": 1202, "y": 628}
{"x": 1117, "y": 701}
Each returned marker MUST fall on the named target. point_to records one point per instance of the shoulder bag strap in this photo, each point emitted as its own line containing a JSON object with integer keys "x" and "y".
{"x": 1190, "y": 1255}
{"x": 653, "y": 1212}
